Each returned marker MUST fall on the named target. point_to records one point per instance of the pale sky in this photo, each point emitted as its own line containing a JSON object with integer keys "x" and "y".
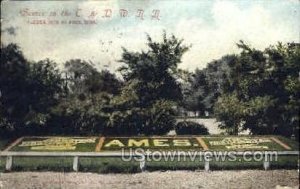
{"x": 212, "y": 28}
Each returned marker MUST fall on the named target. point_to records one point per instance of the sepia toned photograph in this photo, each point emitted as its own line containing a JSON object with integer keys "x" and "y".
{"x": 147, "y": 94}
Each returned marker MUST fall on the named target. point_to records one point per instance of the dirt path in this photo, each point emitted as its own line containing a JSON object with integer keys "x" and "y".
{"x": 170, "y": 179}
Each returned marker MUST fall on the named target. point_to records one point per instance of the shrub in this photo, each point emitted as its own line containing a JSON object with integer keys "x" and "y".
{"x": 190, "y": 128}
{"x": 77, "y": 117}
{"x": 160, "y": 118}
{"x": 126, "y": 123}
{"x": 157, "y": 119}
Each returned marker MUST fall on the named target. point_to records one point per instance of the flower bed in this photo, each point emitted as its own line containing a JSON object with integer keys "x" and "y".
{"x": 187, "y": 143}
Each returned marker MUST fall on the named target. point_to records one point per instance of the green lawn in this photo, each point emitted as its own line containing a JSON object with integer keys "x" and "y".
{"x": 116, "y": 165}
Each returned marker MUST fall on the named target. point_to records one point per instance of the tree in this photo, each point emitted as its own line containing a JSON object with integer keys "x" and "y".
{"x": 45, "y": 83}
{"x": 264, "y": 86}
{"x": 229, "y": 110}
{"x": 44, "y": 87}
{"x": 28, "y": 90}
{"x": 155, "y": 70}
{"x": 84, "y": 109}
{"x": 206, "y": 85}
{"x": 146, "y": 102}
{"x": 83, "y": 79}
{"x": 196, "y": 92}
{"x": 13, "y": 71}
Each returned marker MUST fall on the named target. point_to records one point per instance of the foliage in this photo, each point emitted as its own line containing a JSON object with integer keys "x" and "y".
{"x": 84, "y": 79}
{"x": 262, "y": 93}
{"x": 155, "y": 70}
{"x": 229, "y": 109}
{"x": 256, "y": 89}
{"x": 37, "y": 99}
{"x": 146, "y": 102}
{"x": 161, "y": 118}
{"x": 190, "y": 128}
{"x": 79, "y": 117}
{"x": 157, "y": 119}
{"x": 13, "y": 71}
{"x": 83, "y": 110}
{"x": 206, "y": 85}
{"x": 27, "y": 91}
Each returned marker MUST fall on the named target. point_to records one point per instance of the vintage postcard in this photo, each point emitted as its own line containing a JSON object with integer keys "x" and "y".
{"x": 170, "y": 93}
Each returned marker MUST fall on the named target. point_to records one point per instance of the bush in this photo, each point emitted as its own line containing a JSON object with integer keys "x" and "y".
{"x": 190, "y": 128}
{"x": 77, "y": 117}
{"x": 157, "y": 119}
{"x": 126, "y": 123}
{"x": 160, "y": 118}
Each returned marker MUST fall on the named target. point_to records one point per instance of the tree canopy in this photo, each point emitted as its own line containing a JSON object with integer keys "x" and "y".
{"x": 255, "y": 90}
{"x": 155, "y": 69}
{"x": 263, "y": 91}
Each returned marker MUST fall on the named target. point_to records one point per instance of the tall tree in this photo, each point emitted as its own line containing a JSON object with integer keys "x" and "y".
{"x": 13, "y": 99}
{"x": 146, "y": 103}
{"x": 28, "y": 90}
{"x": 155, "y": 69}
